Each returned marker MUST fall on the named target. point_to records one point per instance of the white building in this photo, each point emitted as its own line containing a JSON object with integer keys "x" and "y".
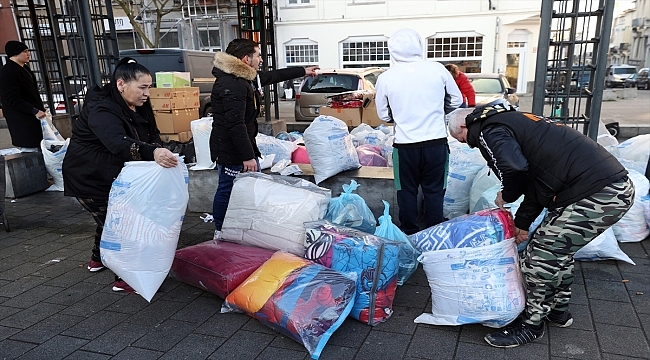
{"x": 477, "y": 35}
{"x": 640, "y": 49}
{"x": 621, "y": 38}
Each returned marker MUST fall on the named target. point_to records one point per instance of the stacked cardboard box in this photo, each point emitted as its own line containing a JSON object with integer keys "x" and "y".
{"x": 175, "y": 108}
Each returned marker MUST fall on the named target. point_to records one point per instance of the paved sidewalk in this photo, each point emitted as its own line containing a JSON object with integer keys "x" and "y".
{"x": 51, "y": 307}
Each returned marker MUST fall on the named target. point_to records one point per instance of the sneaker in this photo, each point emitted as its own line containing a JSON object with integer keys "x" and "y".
{"x": 217, "y": 235}
{"x": 121, "y": 285}
{"x": 513, "y": 335}
{"x": 560, "y": 319}
{"x": 94, "y": 266}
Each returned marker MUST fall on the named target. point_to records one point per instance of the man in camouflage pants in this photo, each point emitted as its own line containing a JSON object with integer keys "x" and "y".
{"x": 585, "y": 189}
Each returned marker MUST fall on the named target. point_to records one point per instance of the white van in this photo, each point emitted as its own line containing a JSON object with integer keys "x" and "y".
{"x": 620, "y": 76}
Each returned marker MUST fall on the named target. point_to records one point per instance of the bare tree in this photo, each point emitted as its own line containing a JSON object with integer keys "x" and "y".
{"x": 158, "y": 7}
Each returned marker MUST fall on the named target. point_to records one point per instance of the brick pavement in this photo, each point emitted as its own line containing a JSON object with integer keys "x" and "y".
{"x": 51, "y": 307}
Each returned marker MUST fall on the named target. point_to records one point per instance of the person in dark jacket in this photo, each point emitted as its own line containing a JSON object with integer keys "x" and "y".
{"x": 115, "y": 125}
{"x": 21, "y": 104}
{"x": 465, "y": 87}
{"x": 236, "y": 100}
{"x": 585, "y": 189}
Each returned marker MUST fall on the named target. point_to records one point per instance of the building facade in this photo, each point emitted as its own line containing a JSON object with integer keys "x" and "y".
{"x": 640, "y": 47}
{"x": 494, "y": 36}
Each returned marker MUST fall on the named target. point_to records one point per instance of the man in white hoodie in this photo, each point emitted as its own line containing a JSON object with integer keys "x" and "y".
{"x": 412, "y": 94}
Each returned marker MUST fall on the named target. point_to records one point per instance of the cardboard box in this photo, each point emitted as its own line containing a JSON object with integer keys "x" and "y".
{"x": 351, "y": 116}
{"x": 174, "y": 103}
{"x": 175, "y": 121}
{"x": 183, "y": 137}
{"x": 171, "y": 93}
{"x": 172, "y": 79}
{"x": 369, "y": 115}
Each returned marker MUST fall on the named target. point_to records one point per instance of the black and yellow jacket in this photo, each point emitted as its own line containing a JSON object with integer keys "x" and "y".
{"x": 552, "y": 165}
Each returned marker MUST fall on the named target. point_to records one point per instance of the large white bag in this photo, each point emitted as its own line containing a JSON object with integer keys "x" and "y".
{"x": 602, "y": 247}
{"x": 464, "y": 164}
{"x": 484, "y": 180}
{"x": 474, "y": 285}
{"x": 54, "y": 161}
{"x": 268, "y": 211}
{"x": 145, "y": 212}
{"x": 632, "y": 226}
{"x": 49, "y": 130}
{"x": 281, "y": 148}
{"x": 201, "y": 130}
{"x": 330, "y": 147}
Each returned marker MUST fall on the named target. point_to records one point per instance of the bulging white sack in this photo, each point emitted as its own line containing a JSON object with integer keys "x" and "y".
{"x": 54, "y": 161}
{"x": 145, "y": 212}
{"x": 201, "y": 130}
{"x": 330, "y": 147}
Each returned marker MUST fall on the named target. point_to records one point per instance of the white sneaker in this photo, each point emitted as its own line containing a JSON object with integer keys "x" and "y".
{"x": 217, "y": 235}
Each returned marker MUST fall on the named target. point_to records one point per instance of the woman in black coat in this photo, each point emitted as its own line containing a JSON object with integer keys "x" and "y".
{"x": 21, "y": 104}
{"x": 116, "y": 125}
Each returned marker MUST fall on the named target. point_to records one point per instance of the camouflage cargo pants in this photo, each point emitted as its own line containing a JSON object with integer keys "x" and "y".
{"x": 547, "y": 265}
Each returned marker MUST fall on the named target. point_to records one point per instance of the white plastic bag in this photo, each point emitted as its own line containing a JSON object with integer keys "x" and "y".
{"x": 145, "y": 212}
{"x": 269, "y": 145}
{"x": 474, "y": 285}
{"x": 54, "y": 161}
{"x": 632, "y": 226}
{"x": 201, "y": 130}
{"x": 635, "y": 149}
{"x": 602, "y": 247}
{"x": 49, "y": 130}
{"x": 330, "y": 147}
{"x": 464, "y": 164}
{"x": 268, "y": 211}
{"x": 484, "y": 180}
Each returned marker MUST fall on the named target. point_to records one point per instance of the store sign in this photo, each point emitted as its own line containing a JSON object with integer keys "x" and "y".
{"x": 121, "y": 23}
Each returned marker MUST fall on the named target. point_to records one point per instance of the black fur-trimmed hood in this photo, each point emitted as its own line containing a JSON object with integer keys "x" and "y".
{"x": 231, "y": 65}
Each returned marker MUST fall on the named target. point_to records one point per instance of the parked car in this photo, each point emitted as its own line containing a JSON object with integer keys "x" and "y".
{"x": 313, "y": 92}
{"x": 490, "y": 87}
{"x": 197, "y": 63}
{"x": 620, "y": 76}
{"x": 642, "y": 79}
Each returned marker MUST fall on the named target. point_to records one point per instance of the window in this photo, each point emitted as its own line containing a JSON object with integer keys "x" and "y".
{"x": 297, "y": 2}
{"x": 301, "y": 54}
{"x": 126, "y": 40}
{"x": 209, "y": 38}
{"x": 516, "y": 44}
{"x": 169, "y": 40}
{"x": 455, "y": 47}
{"x": 365, "y": 53}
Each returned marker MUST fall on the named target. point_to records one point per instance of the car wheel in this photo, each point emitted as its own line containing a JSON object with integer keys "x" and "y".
{"x": 208, "y": 111}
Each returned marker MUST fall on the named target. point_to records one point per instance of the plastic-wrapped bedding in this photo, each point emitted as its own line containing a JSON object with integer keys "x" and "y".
{"x": 302, "y": 300}
{"x": 217, "y": 266}
{"x": 464, "y": 164}
{"x": 268, "y": 211}
{"x": 373, "y": 259}
{"x": 474, "y": 285}
{"x": 482, "y": 228}
{"x": 632, "y": 226}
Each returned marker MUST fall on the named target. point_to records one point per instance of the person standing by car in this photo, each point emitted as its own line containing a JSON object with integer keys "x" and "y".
{"x": 585, "y": 189}
{"x": 412, "y": 94}
{"x": 236, "y": 100}
{"x": 465, "y": 87}
{"x": 116, "y": 125}
{"x": 21, "y": 104}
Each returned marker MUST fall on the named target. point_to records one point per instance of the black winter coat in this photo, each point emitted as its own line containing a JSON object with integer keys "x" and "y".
{"x": 236, "y": 106}
{"x": 106, "y": 135}
{"x": 20, "y": 99}
{"x": 552, "y": 165}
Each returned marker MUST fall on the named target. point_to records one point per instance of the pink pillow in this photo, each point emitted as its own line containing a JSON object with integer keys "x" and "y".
{"x": 300, "y": 156}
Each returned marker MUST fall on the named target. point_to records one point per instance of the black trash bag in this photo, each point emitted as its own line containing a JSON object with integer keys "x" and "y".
{"x": 182, "y": 149}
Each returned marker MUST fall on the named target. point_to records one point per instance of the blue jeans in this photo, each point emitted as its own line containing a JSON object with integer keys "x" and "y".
{"x": 227, "y": 175}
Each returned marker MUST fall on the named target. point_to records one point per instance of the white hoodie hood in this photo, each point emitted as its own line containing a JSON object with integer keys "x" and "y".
{"x": 405, "y": 46}
{"x": 412, "y": 92}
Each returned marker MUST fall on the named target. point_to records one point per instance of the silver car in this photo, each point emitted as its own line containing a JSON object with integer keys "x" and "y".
{"x": 313, "y": 92}
{"x": 490, "y": 87}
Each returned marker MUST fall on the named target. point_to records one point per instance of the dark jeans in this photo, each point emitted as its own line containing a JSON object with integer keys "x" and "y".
{"x": 97, "y": 208}
{"x": 227, "y": 174}
{"x": 424, "y": 167}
